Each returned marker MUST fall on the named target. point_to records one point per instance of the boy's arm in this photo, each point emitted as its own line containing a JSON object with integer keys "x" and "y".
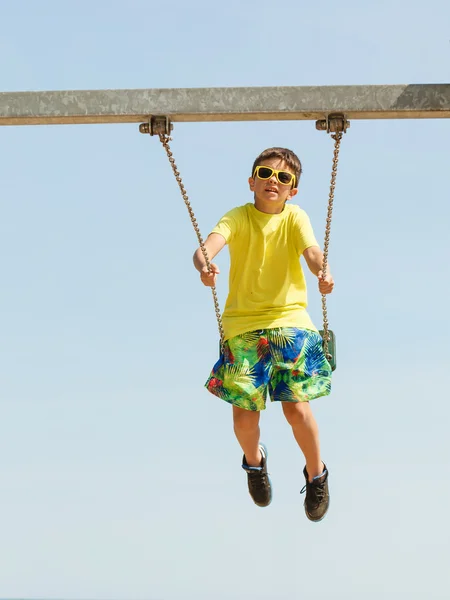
{"x": 213, "y": 245}
{"x": 314, "y": 259}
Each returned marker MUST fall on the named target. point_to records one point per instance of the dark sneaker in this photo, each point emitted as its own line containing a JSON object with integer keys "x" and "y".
{"x": 259, "y": 484}
{"x": 317, "y": 496}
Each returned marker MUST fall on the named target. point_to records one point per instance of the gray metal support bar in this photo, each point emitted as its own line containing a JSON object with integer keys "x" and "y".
{"x": 226, "y": 104}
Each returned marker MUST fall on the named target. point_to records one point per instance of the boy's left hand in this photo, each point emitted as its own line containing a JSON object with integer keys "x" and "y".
{"x": 326, "y": 284}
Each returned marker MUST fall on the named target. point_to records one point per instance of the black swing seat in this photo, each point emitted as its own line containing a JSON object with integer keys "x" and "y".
{"x": 331, "y": 355}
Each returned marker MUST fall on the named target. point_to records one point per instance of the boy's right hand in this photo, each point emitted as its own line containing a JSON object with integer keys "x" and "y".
{"x": 209, "y": 278}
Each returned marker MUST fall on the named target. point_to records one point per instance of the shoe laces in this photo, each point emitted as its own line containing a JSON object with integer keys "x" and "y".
{"x": 315, "y": 492}
{"x": 258, "y": 479}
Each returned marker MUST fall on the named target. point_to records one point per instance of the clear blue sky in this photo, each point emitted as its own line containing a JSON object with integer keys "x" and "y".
{"x": 120, "y": 475}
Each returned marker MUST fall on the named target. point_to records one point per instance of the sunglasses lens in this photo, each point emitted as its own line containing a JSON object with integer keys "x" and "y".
{"x": 284, "y": 177}
{"x": 265, "y": 172}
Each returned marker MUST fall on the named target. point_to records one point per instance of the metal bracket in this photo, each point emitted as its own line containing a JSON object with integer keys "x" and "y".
{"x": 160, "y": 125}
{"x": 334, "y": 123}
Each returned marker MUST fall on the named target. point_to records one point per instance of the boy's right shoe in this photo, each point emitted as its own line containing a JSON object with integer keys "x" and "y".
{"x": 259, "y": 484}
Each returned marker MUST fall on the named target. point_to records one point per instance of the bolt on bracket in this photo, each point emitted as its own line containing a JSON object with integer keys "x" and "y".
{"x": 334, "y": 123}
{"x": 159, "y": 125}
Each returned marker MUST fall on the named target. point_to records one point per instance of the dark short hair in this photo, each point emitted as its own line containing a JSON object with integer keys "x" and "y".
{"x": 284, "y": 154}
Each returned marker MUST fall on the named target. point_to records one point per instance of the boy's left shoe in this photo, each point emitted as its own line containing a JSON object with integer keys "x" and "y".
{"x": 317, "y": 495}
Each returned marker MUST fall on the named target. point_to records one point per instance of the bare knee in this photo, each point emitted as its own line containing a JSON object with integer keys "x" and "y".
{"x": 245, "y": 420}
{"x": 297, "y": 413}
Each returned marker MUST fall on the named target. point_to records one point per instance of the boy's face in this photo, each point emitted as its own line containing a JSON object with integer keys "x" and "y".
{"x": 270, "y": 194}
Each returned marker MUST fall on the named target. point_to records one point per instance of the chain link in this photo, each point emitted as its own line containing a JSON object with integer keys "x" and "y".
{"x": 337, "y": 144}
{"x": 165, "y": 139}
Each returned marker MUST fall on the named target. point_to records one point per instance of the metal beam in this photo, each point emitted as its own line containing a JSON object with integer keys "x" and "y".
{"x": 416, "y": 101}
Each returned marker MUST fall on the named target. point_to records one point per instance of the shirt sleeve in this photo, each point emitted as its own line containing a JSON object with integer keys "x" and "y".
{"x": 227, "y": 226}
{"x": 305, "y": 237}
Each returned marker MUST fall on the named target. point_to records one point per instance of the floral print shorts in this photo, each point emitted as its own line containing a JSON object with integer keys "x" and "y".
{"x": 287, "y": 363}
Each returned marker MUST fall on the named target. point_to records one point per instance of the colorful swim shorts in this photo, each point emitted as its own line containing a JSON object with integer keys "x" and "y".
{"x": 286, "y": 362}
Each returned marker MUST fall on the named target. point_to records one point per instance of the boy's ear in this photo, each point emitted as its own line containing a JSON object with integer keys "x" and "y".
{"x": 251, "y": 183}
{"x": 293, "y": 193}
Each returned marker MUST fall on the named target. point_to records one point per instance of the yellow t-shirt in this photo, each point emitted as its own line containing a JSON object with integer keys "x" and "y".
{"x": 267, "y": 286}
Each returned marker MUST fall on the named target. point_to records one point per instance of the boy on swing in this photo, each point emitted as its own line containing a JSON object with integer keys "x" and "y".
{"x": 271, "y": 345}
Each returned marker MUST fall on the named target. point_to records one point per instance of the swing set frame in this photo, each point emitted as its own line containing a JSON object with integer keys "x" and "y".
{"x": 411, "y": 101}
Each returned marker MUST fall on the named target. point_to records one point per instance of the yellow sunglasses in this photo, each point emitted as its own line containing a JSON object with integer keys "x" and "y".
{"x": 283, "y": 177}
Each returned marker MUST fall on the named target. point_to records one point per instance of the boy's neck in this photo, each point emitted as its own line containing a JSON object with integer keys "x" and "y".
{"x": 269, "y": 208}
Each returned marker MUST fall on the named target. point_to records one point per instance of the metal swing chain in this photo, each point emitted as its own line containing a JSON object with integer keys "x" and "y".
{"x": 165, "y": 139}
{"x": 337, "y": 145}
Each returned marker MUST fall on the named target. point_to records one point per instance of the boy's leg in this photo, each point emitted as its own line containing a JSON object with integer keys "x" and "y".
{"x": 246, "y": 429}
{"x": 306, "y": 432}
{"x": 254, "y": 461}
